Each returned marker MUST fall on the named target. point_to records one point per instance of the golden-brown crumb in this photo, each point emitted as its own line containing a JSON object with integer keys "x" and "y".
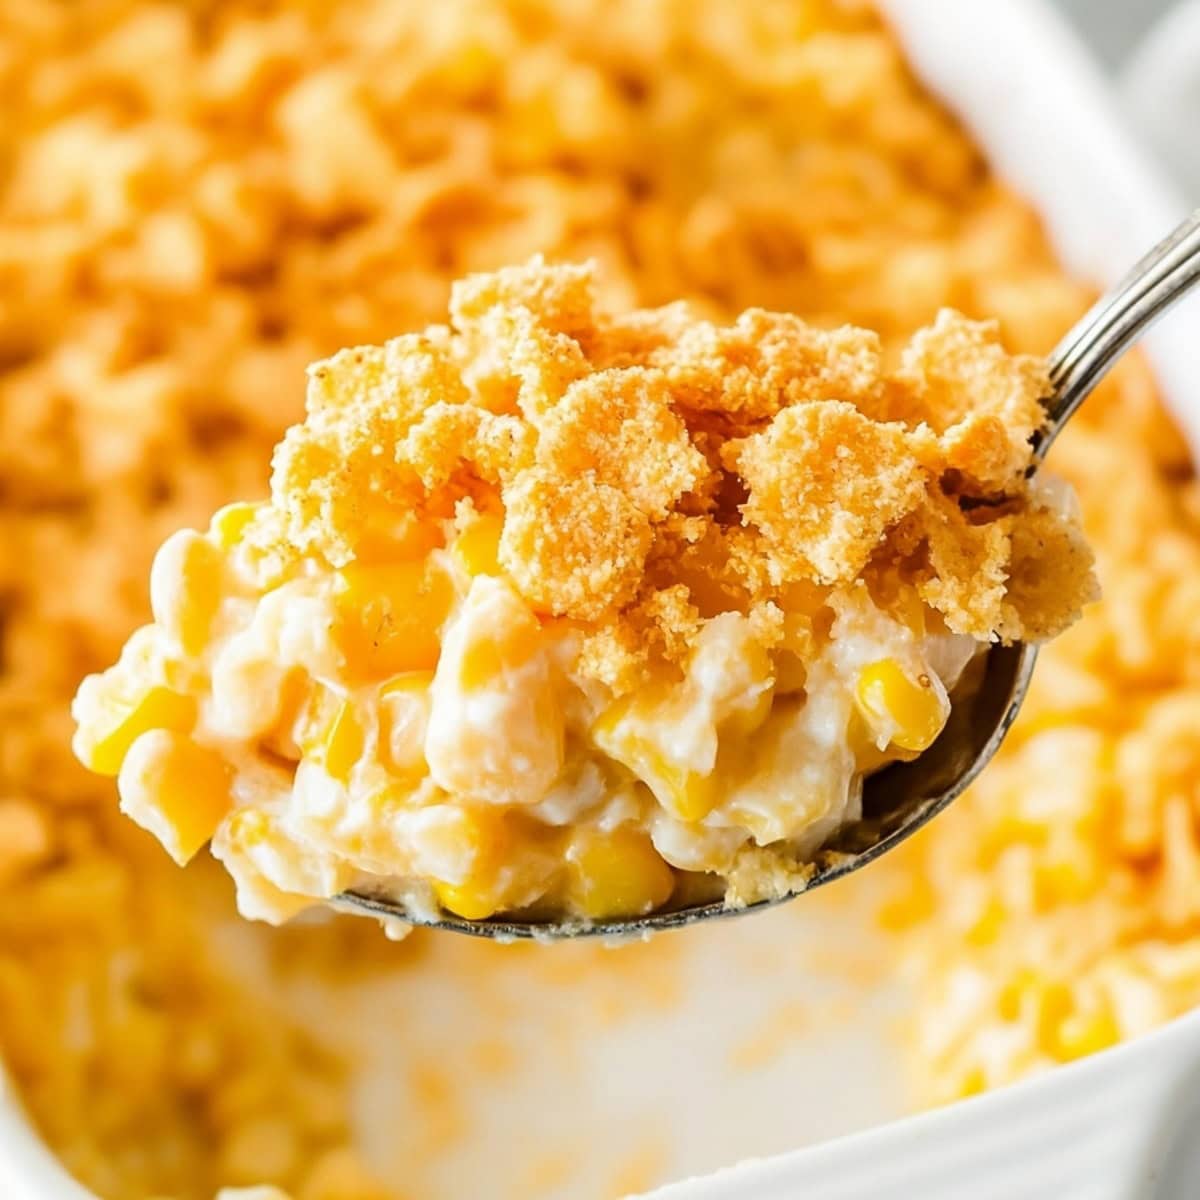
{"x": 573, "y": 546}
{"x": 824, "y": 485}
{"x": 661, "y": 432}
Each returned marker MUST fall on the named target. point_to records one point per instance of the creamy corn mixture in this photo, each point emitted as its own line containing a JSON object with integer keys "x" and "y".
{"x": 196, "y": 201}
{"x": 550, "y": 603}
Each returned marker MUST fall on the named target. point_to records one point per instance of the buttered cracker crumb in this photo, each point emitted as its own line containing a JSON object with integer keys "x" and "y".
{"x": 649, "y": 433}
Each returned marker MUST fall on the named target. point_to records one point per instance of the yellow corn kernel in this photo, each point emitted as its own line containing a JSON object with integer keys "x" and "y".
{"x": 687, "y": 794}
{"x": 1052, "y": 1007}
{"x": 914, "y": 710}
{"x": 910, "y": 609}
{"x": 484, "y": 835}
{"x": 1010, "y": 999}
{"x": 249, "y": 827}
{"x": 385, "y": 801}
{"x": 618, "y": 874}
{"x": 175, "y": 789}
{"x": 477, "y": 548}
{"x": 404, "y": 718}
{"x": 1032, "y": 997}
{"x": 383, "y": 543}
{"x": 315, "y": 718}
{"x": 747, "y": 721}
{"x": 343, "y": 743}
{"x": 389, "y": 618}
{"x": 185, "y": 588}
{"x": 490, "y": 656}
{"x": 295, "y": 696}
{"x": 987, "y": 926}
{"x": 895, "y": 594}
{"x": 792, "y": 654}
{"x": 407, "y": 682}
{"x": 916, "y": 903}
{"x": 466, "y": 900}
{"x": 867, "y": 755}
{"x": 972, "y": 1083}
{"x": 803, "y": 599}
{"x": 1080, "y": 1034}
{"x": 112, "y": 719}
{"x": 1064, "y": 882}
{"x": 229, "y": 524}
{"x": 690, "y": 795}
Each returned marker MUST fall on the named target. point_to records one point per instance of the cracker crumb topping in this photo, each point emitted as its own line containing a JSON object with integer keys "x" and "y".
{"x": 653, "y": 467}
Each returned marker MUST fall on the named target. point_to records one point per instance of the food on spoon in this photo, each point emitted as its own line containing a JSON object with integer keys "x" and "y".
{"x": 563, "y": 611}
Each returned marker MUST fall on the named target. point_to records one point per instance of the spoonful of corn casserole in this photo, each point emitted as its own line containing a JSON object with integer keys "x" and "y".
{"x": 561, "y": 620}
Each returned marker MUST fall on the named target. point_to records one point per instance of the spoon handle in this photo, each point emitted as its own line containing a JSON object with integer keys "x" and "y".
{"x": 1084, "y": 356}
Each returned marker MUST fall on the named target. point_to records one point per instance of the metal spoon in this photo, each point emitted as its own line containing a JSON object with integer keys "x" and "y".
{"x": 901, "y": 798}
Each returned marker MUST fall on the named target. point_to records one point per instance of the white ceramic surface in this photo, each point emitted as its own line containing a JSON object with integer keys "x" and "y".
{"x": 1121, "y": 1125}
{"x": 1032, "y": 97}
{"x": 1160, "y": 86}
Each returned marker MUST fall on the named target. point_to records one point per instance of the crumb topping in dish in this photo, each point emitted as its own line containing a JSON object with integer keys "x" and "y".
{"x": 555, "y": 610}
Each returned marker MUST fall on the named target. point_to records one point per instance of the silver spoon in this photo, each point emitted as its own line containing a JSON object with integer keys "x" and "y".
{"x": 901, "y": 798}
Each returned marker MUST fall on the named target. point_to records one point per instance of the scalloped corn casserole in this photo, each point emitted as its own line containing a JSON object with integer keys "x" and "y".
{"x": 197, "y": 201}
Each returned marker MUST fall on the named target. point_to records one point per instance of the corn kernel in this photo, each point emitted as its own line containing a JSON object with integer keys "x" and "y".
{"x": 343, "y": 743}
{"x": 111, "y": 720}
{"x": 917, "y": 903}
{"x": 690, "y": 795}
{"x": 477, "y": 548}
{"x": 1033, "y": 998}
{"x": 894, "y": 594}
{"x": 685, "y": 793}
{"x": 747, "y": 721}
{"x": 295, "y": 695}
{"x": 986, "y": 927}
{"x": 229, "y": 524}
{"x": 477, "y": 895}
{"x": 470, "y": 902}
{"x": 618, "y": 874}
{"x": 972, "y": 1083}
{"x": 383, "y": 544}
{"x": 390, "y": 617}
{"x": 804, "y": 599}
{"x": 1065, "y": 882}
{"x": 175, "y": 789}
{"x": 1079, "y": 1035}
{"x": 185, "y": 588}
{"x": 407, "y": 683}
{"x": 249, "y": 827}
{"x": 1052, "y": 1007}
{"x": 913, "y": 711}
{"x": 1010, "y": 998}
{"x": 404, "y": 707}
{"x": 315, "y": 719}
{"x": 867, "y": 755}
{"x": 490, "y": 656}
{"x": 792, "y": 654}
{"x": 910, "y": 609}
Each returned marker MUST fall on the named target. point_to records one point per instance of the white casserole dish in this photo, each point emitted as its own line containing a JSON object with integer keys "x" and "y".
{"x": 1038, "y": 107}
